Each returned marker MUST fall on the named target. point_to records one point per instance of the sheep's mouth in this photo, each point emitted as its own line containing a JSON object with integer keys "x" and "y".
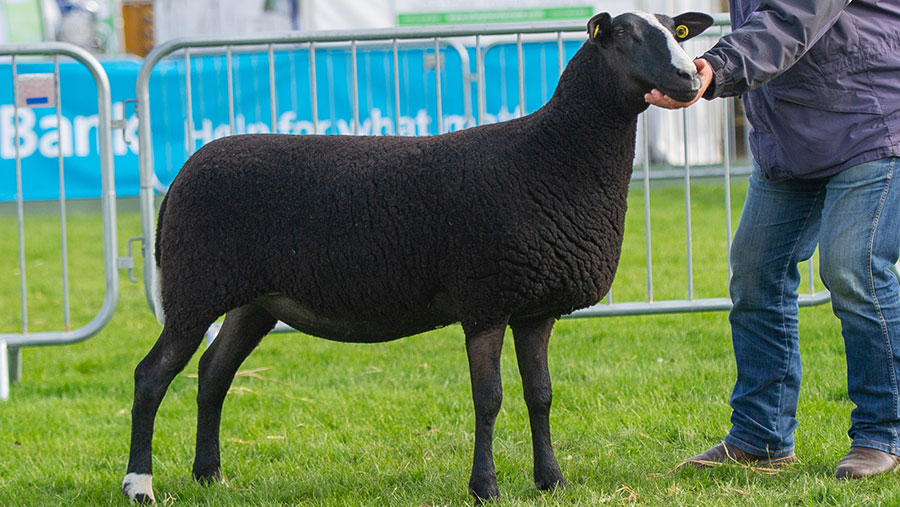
{"x": 684, "y": 91}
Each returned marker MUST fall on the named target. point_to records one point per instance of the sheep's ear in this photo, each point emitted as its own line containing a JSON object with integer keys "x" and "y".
{"x": 691, "y": 24}
{"x": 598, "y": 27}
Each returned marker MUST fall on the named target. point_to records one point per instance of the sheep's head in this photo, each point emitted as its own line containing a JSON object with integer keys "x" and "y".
{"x": 645, "y": 48}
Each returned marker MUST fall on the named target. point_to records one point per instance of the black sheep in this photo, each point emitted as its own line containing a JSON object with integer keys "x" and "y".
{"x": 369, "y": 239}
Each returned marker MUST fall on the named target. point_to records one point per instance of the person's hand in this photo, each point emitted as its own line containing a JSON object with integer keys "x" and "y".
{"x": 657, "y": 98}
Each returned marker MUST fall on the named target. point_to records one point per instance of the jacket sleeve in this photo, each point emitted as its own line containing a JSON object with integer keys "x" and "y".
{"x": 774, "y": 37}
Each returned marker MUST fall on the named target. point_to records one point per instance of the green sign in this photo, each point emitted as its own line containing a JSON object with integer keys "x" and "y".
{"x": 494, "y": 16}
{"x": 23, "y": 20}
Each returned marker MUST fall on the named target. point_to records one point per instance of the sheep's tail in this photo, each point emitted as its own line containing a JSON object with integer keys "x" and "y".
{"x": 157, "y": 299}
{"x": 156, "y": 289}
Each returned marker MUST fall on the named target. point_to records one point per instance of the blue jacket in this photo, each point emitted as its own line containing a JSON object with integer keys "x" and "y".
{"x": 820, "y": 81}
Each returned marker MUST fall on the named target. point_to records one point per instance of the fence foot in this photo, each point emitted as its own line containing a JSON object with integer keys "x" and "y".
{"x": 4, "y": 372}
{"x": 14, "y": 355}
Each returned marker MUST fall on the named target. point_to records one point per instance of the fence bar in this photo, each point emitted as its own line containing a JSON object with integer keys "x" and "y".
{"x": 520, "y": 58}
{"x": 437, "y": 80}
{"x": 4, "y": 372}
{"x": 466, "y": 75}
{"x": 313, "y": 91}
{"x": 14, "y": 364}
{"x": 229, "y": 71}
{"x": 396, "y": 69}
{"x": 687, "y": 210}
{"x": 64, "y": 247}
{"x": 812, "y": 280}
{"x": 146, "y": 196}
{"x": 676, "y": 306}
{"x": 649, "y": 249}
{"x": 354, "y": 87}
{"x": 293, "y": 102}
{"x": 189, "y": 139}
{"x": 273, "y": 110}
{"x": 479, "y": 73}
{"x": 560, "y": 53}
{"x": 385, "y": 34}
{"x": 20, "y": 205}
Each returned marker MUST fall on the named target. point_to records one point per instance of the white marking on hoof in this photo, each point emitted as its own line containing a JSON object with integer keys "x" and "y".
{"x": 138, "y": 488}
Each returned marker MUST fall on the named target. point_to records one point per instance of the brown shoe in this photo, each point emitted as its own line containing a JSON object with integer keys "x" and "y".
{"x": 724, "y": 453}
{"x": 865, "y": 462}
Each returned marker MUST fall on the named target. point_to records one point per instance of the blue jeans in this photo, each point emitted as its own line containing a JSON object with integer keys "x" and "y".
{"x": 854, "y": 217}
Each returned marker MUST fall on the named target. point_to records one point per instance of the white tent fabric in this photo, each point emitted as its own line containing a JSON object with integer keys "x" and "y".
{"x": 177, "y": 18}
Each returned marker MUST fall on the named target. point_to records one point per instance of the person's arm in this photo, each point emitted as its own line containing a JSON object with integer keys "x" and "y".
{"x": 778, "y": 34}
{"x": 772, "y": 39}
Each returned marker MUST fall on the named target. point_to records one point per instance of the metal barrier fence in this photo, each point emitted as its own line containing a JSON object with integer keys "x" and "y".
{"x": 43, "y": 90}
{"x": 443, "y": 47}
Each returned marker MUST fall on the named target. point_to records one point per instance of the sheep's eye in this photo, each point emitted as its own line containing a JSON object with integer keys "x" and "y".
{"x": 621, "y": 32}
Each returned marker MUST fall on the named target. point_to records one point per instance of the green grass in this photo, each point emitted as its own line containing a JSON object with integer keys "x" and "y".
{"x": 313, "y": 422}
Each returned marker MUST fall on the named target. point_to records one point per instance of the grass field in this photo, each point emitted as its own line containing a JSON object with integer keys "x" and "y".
{"x": 312, "y": 422}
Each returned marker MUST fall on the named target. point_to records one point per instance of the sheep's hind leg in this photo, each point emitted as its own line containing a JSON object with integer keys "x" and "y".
{"x": 531, "y": 352}
{"x": 241, "y": 332}
{"x": 152, "y": 377}
{"x": 483, "y": 349}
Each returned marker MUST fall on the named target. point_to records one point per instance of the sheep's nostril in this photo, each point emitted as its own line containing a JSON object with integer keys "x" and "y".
{"x": 685, "y": 75}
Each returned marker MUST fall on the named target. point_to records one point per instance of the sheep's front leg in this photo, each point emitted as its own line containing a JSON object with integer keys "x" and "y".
{"x": 483, "y": 349}
{"x": 531, "y": 352}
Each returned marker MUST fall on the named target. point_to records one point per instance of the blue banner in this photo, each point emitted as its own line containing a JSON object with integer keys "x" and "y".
{"x": 41, "y": 135}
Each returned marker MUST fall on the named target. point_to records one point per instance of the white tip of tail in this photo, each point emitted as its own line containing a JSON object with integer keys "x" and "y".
{"x": 157, "y": 298}
{"x": 138, "y": 488}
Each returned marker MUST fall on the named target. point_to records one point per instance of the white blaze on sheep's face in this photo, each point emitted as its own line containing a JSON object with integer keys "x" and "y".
{"x": 680, "y": 59}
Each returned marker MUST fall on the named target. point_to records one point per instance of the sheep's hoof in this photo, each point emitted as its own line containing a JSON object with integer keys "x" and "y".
{"x": 144, "y": 499}
{"x": 481, "y": 500}
{"x": 206, "y": 476}
{"x": 549, "y": 479}
{"x": 484, "y": 492}
{"x": 551, "y": 484}
{"x": 138, "y": 488}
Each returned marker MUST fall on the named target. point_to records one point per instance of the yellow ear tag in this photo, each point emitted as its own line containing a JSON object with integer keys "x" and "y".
{"x": 596, "y": 31}
{"x": 682, "y": 31}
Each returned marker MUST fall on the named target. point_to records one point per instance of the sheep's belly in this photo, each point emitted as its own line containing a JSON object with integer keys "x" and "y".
{"x": 301, "y": 318}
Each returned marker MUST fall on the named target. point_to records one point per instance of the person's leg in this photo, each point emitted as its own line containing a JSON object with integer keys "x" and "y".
{"x": 778, "y": 229}
{"x": 860, "y": 243}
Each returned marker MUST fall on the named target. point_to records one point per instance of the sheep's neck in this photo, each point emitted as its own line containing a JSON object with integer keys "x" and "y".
{"x": 595, "y": 121}
{"x": 589, "y": 87}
